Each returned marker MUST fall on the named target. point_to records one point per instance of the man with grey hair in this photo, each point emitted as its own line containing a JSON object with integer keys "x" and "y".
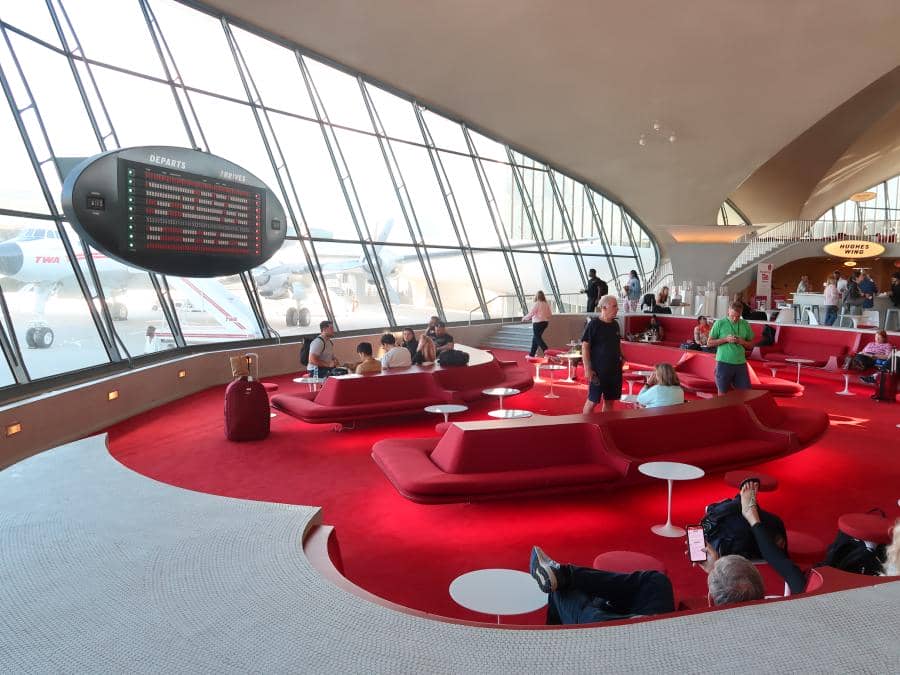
{"x": 584, "y": 595}
{"x": 601, "y": 353}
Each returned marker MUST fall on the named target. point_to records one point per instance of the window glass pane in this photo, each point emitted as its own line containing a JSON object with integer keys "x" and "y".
{"x": 446, "y": 134}
{"x": 289, "y": 297}
{"x": 231, "y": 132}
{"x": 410, "y": 298}
{"x": 54, "y": 328}
{"x": 604, "y": 269}
{"x": 126, "y": 100}
{"x": 130, "y": 297}
{"x": 6, "y": 377}
{"x": 488, "y": 148}
{"x": 470, "y": 200}
{"x": 350, "y": 287}
{"x": 276, "y": 74}
{"x": 396, "y": 114}
{"x": 210, "y": 67}
{"x": 315, "y": 180}
{"x": 19, "y": 187}
{"x": 373, "y": 187}
{"x": 129, "y": 45}
{"x": 496, "y": 282}
{"x": 340, "y": 95}
{"x": 425, "y": 194}
{"x": 32, "y": 17}
{"x": 58, "y": 100}
{"x": 457, "y": 292}
{"x": 568, "y": 273}
{"x": 211, "y": 310}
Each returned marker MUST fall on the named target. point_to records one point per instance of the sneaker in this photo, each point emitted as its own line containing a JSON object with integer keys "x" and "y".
{"x": 868, "y": 379}
{"x": 544, "y": 570}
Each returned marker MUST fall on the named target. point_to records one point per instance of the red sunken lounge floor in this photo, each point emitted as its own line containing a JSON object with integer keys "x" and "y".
{"x": 409, "y": 553}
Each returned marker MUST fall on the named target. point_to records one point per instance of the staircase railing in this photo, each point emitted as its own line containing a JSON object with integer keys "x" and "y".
{"x": 760, "y": 244}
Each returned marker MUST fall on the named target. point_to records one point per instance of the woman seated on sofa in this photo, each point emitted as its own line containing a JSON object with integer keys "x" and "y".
{"x": 426, "y": 352}
{"x": 663, "y": 388}
{"x": 654, "y": 332}
{"x": 876, "y": 354}
{"x": 701, "y": 331}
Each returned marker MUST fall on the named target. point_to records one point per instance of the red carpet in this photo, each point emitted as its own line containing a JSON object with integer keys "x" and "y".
{"x": 409, "y": 553}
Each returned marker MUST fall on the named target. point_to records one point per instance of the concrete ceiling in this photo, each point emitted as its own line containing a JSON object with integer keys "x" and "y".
{"x": 577, "y": 82}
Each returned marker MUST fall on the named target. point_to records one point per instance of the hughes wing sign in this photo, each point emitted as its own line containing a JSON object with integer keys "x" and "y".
{"x": 852, "y": 248}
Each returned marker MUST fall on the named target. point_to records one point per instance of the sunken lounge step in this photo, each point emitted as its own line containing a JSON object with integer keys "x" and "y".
{"x": 515, "y": 336}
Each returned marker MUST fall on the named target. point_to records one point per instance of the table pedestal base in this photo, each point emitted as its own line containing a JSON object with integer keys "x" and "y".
{"x": 846, "y": 390}
{"x": 668, "y": 530}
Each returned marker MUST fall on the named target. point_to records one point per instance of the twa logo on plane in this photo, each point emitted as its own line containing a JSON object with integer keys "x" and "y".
{"x": 46, "y": 259}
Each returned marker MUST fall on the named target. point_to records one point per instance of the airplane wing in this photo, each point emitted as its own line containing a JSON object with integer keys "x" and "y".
{"x": 234, "y": 317}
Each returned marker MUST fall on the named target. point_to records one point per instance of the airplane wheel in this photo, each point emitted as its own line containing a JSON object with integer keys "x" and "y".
{"x": 29, "y": 338}
{"x": 304, "y": 317}
{"x": 292, "y": 317}
{"x": 119, "y": 311}
{"x": 43, "y": 337}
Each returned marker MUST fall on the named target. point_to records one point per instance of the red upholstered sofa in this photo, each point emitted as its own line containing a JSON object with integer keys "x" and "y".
{"x": 676, "y": 329}
{"x": 490, "y": 460}
{"x": 477, "y": 464}
{"x": 826, "y": 346}
{"x": 697, "y": 372}
{"x": 711, "y": 438}
{"x": 350, "y": 398}
{"x": 807, "y": 425}
{"x": 465, "y": 383}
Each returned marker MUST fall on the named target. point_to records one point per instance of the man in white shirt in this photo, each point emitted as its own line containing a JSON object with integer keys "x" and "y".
{"x": 394, "y": 356}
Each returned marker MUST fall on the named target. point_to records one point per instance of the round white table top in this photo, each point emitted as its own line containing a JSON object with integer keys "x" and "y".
{"x": 446, "y": 408}
{"x": 309, "y": 380}
{"x": 497, "y": 591}
{"x": 801, "y": 360}
{"x": 671, "y": 470}
{"x": 508, "y": 414}
{"x": 571, "y": 355}
{"x": 643, "y": 373}
{"x": 500, "y": 391}
{"x": 552, "y": 366}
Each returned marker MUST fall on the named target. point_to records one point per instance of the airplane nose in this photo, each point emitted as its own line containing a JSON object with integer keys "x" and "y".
{"x": 10, "y": 259}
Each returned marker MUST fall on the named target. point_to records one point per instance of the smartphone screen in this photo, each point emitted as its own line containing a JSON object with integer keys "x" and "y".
{"x": 696, "y": 543}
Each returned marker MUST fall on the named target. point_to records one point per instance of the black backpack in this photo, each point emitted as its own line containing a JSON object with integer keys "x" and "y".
{"x": 602, "y": 288}
{"x": 729, "y": 533}
{"x": 768, "y": 336}
{"x": 304, "y": 350}
{"x": 852, "y": 555}
{"x": 453, "y": 357}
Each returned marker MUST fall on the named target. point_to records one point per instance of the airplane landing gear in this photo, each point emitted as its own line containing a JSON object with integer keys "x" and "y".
{"x": 39, "y": 337}
{"x": 297, "y": 317}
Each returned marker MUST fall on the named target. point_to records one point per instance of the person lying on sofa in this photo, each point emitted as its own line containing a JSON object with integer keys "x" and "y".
{"x": 663, "y": 388}
{"x": 584, "y": 595}
{"x": 368, "y": 363}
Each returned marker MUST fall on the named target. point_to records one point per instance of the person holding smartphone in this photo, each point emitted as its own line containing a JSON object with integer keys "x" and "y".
{"x": 581, "y": 595}
{"x": 731, "y": 336}
{"x": 601, "y": 353}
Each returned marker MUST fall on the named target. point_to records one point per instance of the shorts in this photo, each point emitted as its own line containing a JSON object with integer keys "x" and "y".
{"x": 731, "y": 374}
{"x": 610, "y": 387}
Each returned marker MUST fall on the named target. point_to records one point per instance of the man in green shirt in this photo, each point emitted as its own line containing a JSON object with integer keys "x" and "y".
{"x": 731, "y": 336}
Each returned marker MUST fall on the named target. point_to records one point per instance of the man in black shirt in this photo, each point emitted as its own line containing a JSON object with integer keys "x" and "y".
{"x": 583, "y": 595}
{"x": 601, "y": 354}
{"x": 443, "y": 341}
{"x": 596, "y": 288}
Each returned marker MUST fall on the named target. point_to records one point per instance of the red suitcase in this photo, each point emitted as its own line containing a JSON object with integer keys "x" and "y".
{"x": 246, "y": 408}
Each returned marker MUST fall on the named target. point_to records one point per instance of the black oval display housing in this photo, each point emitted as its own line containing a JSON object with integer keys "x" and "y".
{"x": 174, "y": 211}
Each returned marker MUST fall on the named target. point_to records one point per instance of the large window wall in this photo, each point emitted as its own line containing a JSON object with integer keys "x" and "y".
{"x": 874, "y": 212}
{"x": 396, "y": 211}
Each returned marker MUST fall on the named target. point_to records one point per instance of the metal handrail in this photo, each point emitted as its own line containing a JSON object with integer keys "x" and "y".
{"x": 488, "y": 302}
{"x": 562, "y": 307}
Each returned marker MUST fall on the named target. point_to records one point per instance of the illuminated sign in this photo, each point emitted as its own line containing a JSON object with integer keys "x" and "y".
{"x": 174, "y": 211}
{"x": 852, "y": 248}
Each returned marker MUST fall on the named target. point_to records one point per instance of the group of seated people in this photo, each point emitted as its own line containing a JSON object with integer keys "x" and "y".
{"x": 579, "y": 595}
{"x": 410, "y": 350}
{"x": 660, "y": 303}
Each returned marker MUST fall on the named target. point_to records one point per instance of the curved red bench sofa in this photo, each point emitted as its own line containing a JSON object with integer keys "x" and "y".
{"x": 476, "y": 461}
{"x": 400, "y": 391}
{"x": 825, "y": 346}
